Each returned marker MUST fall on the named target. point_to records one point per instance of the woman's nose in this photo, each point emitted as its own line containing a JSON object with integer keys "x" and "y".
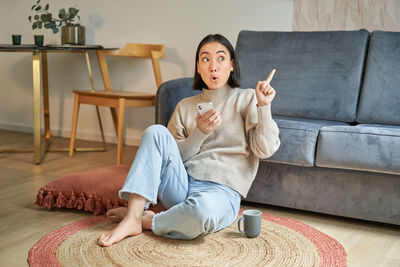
{"x": 213, "y": 66}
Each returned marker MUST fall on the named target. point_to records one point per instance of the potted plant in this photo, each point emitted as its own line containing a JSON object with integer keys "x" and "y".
{"x": 71, "y": 32}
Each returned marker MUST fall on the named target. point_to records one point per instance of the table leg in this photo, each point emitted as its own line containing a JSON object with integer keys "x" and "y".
{"x": 36, "y": 108}
{"x": 46, "y": 109}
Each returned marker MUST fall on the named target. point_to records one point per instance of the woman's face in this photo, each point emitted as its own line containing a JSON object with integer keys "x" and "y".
{"x": 214, "y": 65}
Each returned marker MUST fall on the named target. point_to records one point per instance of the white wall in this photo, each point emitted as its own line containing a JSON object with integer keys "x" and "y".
{"x": 179, "y": 24}
{"x": 313, "y": 15}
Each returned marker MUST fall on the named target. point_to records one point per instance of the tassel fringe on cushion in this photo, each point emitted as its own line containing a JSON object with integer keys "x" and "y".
{"x": 89, "y": 203}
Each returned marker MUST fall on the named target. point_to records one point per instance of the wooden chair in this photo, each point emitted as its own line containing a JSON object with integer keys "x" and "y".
{"x": 117, "y": 99}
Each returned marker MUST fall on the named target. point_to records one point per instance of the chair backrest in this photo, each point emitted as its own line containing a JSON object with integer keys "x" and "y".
{"x": 152, "y": 51}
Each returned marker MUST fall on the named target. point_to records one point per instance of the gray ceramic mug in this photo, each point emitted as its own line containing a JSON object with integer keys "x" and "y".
{"x": 251, "y": 222}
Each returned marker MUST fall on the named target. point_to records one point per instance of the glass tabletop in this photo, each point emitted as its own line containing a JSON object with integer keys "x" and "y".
{"x": 51, "y": 47}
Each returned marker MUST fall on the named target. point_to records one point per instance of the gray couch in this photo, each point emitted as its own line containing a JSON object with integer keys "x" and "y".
{"x": 338, "y": 111}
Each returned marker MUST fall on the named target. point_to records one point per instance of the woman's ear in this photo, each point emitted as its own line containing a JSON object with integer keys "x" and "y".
{"x": 232, "y": 65}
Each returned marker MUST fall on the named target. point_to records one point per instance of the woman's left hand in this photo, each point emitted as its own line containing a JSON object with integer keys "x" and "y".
{"x": 264, "y": 92}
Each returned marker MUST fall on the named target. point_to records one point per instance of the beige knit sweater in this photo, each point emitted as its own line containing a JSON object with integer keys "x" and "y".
{"x": 230, "y": 154}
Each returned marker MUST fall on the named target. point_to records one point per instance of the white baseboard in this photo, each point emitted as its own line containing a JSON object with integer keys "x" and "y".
{"x": 25, "y": 128}
{"x": 84, "y": 135}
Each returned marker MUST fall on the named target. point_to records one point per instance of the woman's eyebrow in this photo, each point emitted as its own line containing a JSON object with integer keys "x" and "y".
{"x": 205, "y": 52}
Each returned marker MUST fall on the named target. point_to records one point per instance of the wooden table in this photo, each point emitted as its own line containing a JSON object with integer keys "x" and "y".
{"x": 39, "y": 62}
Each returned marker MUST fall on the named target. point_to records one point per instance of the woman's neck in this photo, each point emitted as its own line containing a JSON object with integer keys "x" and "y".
{"x": 215, "y": 95}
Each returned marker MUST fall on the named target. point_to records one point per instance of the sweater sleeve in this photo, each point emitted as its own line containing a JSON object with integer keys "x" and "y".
{"x": 188, "y": 144}
{"x": 262, "y": 130}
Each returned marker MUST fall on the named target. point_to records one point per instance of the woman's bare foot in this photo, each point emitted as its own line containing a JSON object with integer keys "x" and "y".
{"x": 126, "y": 227}
{"x": 129, "y": 226}
{"x": 147, "y": 219}
{"x": 116, "y": 215}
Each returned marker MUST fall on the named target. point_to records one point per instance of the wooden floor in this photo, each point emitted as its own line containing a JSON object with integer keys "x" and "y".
{"x": 23, "y": 223}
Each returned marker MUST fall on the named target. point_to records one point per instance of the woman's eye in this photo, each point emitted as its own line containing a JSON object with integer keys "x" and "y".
{"x": 204, "y": 59}
{"x": 221, "y": 59}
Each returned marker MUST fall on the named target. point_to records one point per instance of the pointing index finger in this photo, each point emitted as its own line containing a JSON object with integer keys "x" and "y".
{"x": 270, "y": 76}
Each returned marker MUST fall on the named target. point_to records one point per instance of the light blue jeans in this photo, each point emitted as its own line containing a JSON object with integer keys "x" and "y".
{"x": 194, "y": 207}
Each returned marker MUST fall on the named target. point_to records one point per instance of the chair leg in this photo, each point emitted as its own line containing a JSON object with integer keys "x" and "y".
{"x": 121, "y": 113}
{"x": 101, "y": 128}
{"x": 115, "y": 119}
{"x": 74, "y": 125}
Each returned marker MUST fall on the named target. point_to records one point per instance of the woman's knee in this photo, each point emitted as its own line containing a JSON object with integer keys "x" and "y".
{"x": 156, "y": 132}
{"x": 155, "y": 129}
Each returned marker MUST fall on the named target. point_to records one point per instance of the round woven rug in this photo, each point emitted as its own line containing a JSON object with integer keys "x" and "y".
{"x": 282, "y": 242}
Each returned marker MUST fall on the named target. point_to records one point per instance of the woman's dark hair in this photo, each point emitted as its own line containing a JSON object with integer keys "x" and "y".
{"x": 234, "y": 77}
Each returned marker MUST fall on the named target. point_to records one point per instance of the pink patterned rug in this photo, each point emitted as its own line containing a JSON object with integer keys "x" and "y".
{"x": 282, "y": 242}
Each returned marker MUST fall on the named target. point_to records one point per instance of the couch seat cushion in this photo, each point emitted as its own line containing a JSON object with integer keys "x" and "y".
{"x": 298, "y": 140}
{"x": 366, "y": 147}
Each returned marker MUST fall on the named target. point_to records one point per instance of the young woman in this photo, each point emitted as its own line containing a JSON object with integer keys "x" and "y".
{"x": 201, "y": 165}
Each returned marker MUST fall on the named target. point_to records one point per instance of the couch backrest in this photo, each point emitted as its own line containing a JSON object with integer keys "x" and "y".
{"x": 318, "y": 74}
{"x": 380, "y": 94}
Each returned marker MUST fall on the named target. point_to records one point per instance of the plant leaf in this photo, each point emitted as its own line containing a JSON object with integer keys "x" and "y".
{"x": 30, "y": 18}
{"x": 62, "y": 12}
{"x": 73, "y": 11}
{"x": 47, "y": 7}
{"x": 62, "y": 15}
{"x": 38, "y": 8}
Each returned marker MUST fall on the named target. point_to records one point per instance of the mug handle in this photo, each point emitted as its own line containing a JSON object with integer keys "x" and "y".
{"x": 240, "y": 230}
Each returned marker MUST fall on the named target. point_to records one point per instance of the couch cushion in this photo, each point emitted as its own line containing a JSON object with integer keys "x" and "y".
{"x": 380, "y": 94}
{"x": 168, "y": 96}
{"x": 298, "y": 140}
{"x": 318, "y": 74}
{"x": 366, "y": 147}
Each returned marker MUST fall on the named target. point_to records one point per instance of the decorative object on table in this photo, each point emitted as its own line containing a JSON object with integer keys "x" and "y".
{"x": 38, "y": 40}
{"x": 71, "y": 32}
{"x": 282, "y": 242}
{"x": 94, "y": 190}
{"x": 16, "y": 39}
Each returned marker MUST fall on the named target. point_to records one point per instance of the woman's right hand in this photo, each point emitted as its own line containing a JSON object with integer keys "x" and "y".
{"x": 209, "y": 121}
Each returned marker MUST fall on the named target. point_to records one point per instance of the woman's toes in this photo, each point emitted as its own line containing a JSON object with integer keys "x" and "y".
{"x": 102, "y": 238}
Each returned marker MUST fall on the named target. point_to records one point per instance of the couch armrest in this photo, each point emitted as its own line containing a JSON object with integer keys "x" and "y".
{"x": 168, "y": 96}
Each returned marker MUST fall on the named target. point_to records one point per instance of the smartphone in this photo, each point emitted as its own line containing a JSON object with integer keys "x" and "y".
{"x": 204, "y": 107}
